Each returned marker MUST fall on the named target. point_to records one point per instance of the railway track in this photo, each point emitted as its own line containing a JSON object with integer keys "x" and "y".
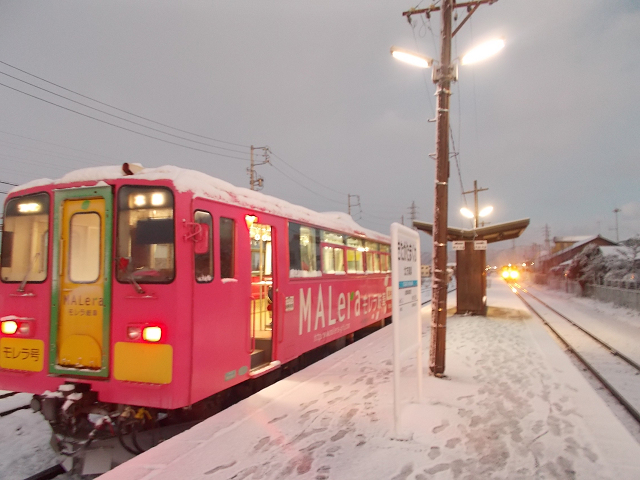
{"x": 424, "y": 302}
{"x": 11, "y": 408}
{"x": 614, "y": 370}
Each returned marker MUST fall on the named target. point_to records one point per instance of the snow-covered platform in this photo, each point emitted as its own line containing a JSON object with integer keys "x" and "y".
{"x": 513, "y": 406}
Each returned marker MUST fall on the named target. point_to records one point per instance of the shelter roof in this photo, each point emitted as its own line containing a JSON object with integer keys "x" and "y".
{"x": 491, "y": 233}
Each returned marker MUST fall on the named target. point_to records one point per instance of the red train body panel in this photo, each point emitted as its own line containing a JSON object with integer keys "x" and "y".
{"x": 162, "y": 288}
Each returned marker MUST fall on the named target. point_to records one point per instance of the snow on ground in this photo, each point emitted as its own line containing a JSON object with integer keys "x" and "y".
{"x": 512, "y": 406}
{"x": 24, "y": 441}
{"x": 618, "y": 326}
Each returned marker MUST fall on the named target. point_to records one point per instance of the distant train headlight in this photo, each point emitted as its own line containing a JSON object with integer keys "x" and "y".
{"x": 9, "y": 327}
{"x": 152, "y": 334}
{"x": 514, "y": 274}
{"x": 505, "y": 274}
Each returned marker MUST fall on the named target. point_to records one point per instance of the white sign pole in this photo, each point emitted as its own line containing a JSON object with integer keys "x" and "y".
{"x": 406, "y": 305}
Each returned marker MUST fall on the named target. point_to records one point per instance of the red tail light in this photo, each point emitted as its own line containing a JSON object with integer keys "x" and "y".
{"x": 152, "y": 334}
{"x": 148, "y": 333}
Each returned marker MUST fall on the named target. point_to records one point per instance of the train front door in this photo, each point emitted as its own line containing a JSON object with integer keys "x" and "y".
{"x": 262, "y": 295}
{"x": 81, "y": 283}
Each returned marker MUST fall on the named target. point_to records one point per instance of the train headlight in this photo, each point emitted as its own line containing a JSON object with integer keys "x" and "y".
{"x": 514, "y": 274}
{"x": 9, "y": 327}
{"x": 505, "y": 274}
{"x": 157, "y": 199}
{"x": 152, "y": 334}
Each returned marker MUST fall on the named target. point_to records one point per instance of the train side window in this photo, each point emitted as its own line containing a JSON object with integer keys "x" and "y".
{"x": 227, "y": 247}
{"x": 84, "y": 247}
{"x": 385, "y": 266}
{"x": 332, "y": 254}
{"x": 203, "y": 262}
{"x": 328, "y": 260}
{"x": 304, "y": 251}
{"x": 373, "y": 257}
{"x": 338, "y": 254}
{"x": 332, "y": 260}
{"x": 25, "y": 239}
{"x": 331, "y": 237}
{"x": 355, "y": 262}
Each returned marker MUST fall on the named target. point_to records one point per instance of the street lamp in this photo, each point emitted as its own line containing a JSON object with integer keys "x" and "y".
{"x": 412, "y": 58}
{"x": 482, "y": 51}
{"x": 482, "y": 213}
{"x": 443, "y": 74}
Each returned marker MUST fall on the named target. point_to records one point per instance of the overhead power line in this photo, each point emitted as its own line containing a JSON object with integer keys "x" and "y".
{"x": 124, "y": 128}
{"x": 303, "y": 186}
{"x": 43, "y": 151}
{"x": 122, "y": 110}
{"x": 121, "y": 118}
{"x": 308, "y": 177}
{"x": 56, "y": 144}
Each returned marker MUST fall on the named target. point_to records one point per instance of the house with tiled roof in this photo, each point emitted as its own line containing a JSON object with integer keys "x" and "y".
{"x": 565, "y": 248}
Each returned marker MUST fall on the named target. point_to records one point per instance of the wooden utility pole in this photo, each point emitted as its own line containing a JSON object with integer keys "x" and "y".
{"x": 413, "y": 211}
{"x": 441, "y": 203}
{"x": 349, "y": 205}
{"x": 443, "y": 75}
{"x": 475, "y": 201}
{"x": 256, "y": 182}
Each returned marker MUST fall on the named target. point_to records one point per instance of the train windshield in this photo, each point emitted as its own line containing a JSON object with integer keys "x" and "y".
{"x": 25, "y": 239}
{"x": 145, "y": 238}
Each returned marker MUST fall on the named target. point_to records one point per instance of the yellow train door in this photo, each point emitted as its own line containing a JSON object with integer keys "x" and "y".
{"x": 81, "y": 282}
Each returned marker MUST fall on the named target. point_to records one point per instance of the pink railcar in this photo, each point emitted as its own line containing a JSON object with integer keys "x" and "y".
{"x": 161, "y": 288}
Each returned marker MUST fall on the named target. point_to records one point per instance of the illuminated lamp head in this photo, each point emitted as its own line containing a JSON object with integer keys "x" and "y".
{"x": 9, "y": 327}
{"x": 157, "y": 199}
{"x": 28, "y": 207}
{"x": 152, "y": 334}
{"x": 139, "y": 200}
{"x": 250, "y": 220}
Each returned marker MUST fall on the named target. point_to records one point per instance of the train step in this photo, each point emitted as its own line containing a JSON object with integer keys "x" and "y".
{"x": 257, "y": 358}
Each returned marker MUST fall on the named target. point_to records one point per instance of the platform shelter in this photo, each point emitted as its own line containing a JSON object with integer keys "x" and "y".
{"x": 471, "y": 258}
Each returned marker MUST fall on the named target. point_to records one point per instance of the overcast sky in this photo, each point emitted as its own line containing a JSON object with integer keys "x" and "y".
{"x": 551, "y": 125}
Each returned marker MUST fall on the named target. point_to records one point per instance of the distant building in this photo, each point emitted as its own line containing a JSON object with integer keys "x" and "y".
{"x": 425, "y": 271}
{"x": 560, "y": 243}
{"x": 565, "y": 248}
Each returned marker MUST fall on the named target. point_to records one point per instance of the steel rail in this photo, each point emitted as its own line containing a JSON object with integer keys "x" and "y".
{"x": 48, "y": 473}
{"x": 623, "y": 401}
{"x": 9, "y": 412}
{"x": 611, "y": 349}
{"x": 448, "y": 292}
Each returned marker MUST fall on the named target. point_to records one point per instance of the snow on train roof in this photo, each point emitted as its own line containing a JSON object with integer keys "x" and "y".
{"x": 203, "y": 185}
